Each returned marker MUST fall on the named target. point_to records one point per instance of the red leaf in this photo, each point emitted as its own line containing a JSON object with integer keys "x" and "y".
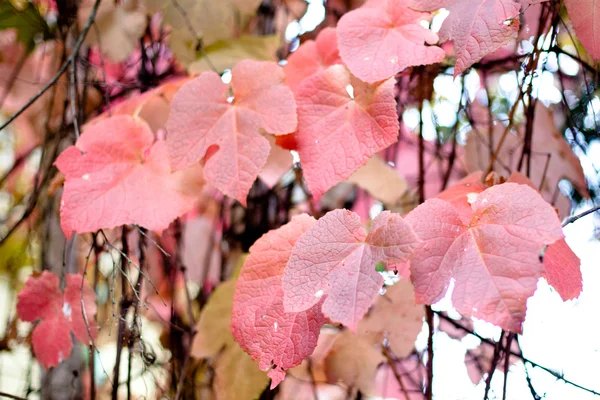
{"x": 118, "y": 174}
{"x": 204, "y": 125}
{"x": 59, "y": 314}
{"x": 383, "y": 38}
{"x": 335, "y": 259}
{"x": 562, "y": 270}
{"x": 584, "y": 16}
{"x": 342, "y": 122}
{"x": 494, "y": 259}
{"x": 258, "y": 322}
{"x": 477, "y": 27}
{"x": 311, "y": 57}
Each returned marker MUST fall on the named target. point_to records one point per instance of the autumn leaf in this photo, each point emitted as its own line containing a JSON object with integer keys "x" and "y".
{"x": 236, "y": 374}
{"x": 394, "y": 317}
{"x": 225, "y": 54}
{"x": 311, "y": 57}
{"x": 354, "y": 362}
{"x": 384, "y": 37}
{"x": 477, "y": 27}
{"x": 213, "y": 325}
{"x": 335, "y": 259}
{"x": 584, "y": 16}
{"x": 201, "y": 22}
{"x": 562, "y": 270}
{"x": 237, "y": 377}
{"x": 494, "y": 258}
{"x": 116, "y": 174}
{"x": 278, "y": 339}
{"x": 59, "y": 314}
{"x": 206, "y": 124}
{"x": 381, "y": 181}
{"x": 342, "y": 122}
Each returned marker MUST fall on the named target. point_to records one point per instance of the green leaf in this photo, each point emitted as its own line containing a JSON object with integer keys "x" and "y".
{"x": 28, "y": 22}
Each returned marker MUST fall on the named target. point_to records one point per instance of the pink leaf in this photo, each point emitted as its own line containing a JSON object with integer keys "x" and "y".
{"x": 204, "y": 125}
{"x": 562, "y": 270}
{"x": 463, "y": 193}
{"x": 584, "y": 16}
{"x": 118, "y": 174}
{"x": 335, "y": 260}
{"x": 383, "y": 38}
{"x": 259, "y": 323}
{"x": 494, "y": 259}
{"x": 311, "y": 57}
{"x": 477, "y": 27}
{"x": 41, "y": 299}
{"x": 342, "y": 122}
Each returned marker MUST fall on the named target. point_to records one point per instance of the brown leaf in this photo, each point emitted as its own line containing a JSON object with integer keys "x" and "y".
{"x": 353, "y": 361}
{"x": 394, "y": 317}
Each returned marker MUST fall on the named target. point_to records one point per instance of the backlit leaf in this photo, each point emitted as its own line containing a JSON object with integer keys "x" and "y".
{"x": 205, "y": 123}
{"x": 116, "y": 174}
{"x": 335, "y": 259}
{"x": 494, "y": 258}
{"x": 259, "y": 323}
{"x": 342, "y": 122}
{"x": 384, "y": 37}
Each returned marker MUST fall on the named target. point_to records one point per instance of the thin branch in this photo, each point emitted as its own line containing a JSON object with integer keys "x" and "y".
{"x": 578, "y": 216}
{"x": 513, "y": 353}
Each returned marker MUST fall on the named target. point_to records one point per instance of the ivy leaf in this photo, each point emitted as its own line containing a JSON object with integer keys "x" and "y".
{"x": 311, "y": 57}
{"x": 384, "y": 37}
{"x": 59, "y": 314}
{"x": 204, "y": 125}
{"x": 584, "y": 16}
{"x": 259, "y": 323}
{"x": 477, "y": 27}
{"x": 27, "y": 21}
{"x": 118, "y": 174}
{"x": 335, "y": 259}
{"x": 562, "y": 270}
{"x": 494, "y": 258}
{"x": 342, "y": 122}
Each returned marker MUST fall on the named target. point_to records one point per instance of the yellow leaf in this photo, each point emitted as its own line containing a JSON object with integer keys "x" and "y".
{"x": 205, "y": 20}
{"x": 237, "y": 376}
{"x": 226, "y": 53}
{"x": 213, "y": 332}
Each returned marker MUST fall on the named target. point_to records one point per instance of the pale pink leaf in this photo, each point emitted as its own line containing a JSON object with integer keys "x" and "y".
{"x": 342, "y": 122}
{"x": 383, "y": 38}
{"x": 494, "y": 259}
{"x": 206, "y": 124}
{"x": 116, "y": 174}
{"x": 311, "y": 57}
{"x": 335, "y": 260}
{"x": 562, "y": 270}
{"x": 584, "y": 15}
{"x": 277, "y": 339}
{"x": 477, "y": 27}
